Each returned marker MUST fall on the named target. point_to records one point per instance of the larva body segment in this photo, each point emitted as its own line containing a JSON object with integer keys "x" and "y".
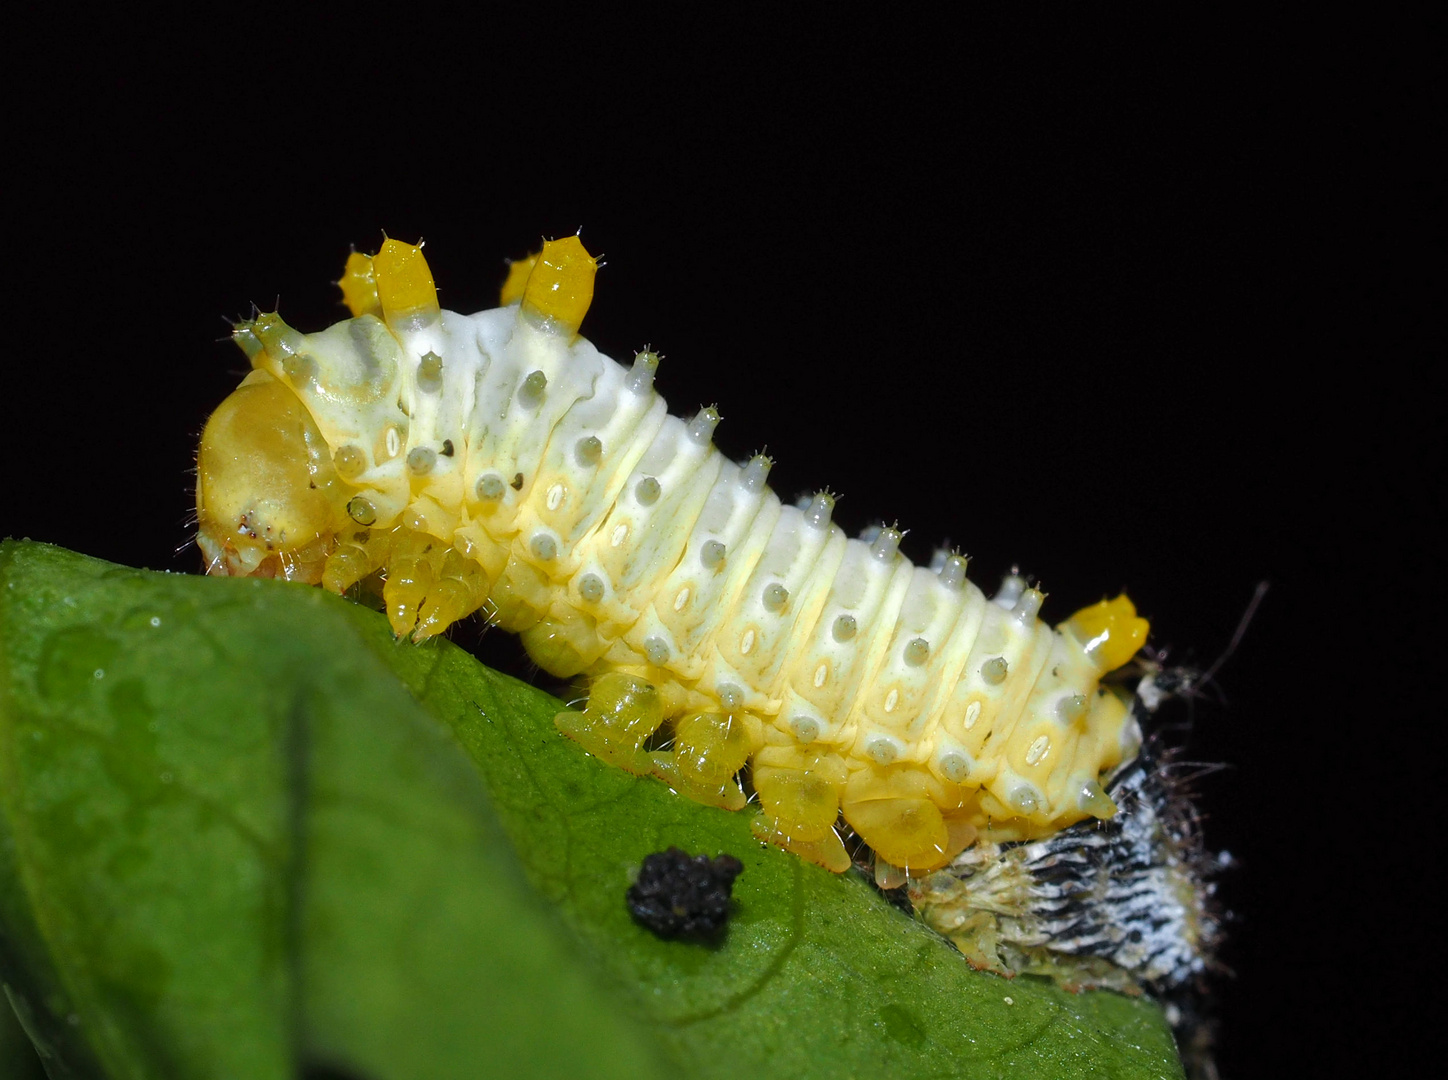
{"x": 499, "y": 461}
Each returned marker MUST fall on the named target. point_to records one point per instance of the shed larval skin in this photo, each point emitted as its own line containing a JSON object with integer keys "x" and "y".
{"x": 499, "y": 462}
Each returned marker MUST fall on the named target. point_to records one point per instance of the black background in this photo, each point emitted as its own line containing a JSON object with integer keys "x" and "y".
{"x": 1122, "y": 299}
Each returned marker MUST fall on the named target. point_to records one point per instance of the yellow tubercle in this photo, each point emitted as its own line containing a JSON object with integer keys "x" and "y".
{"x": 278, "y": 341}
{"x": 1093, "y": 799}
{"x": 518, "y": 273}
{"x": 1111, "y": 631}
{"x": 359, "y": 286}
{"x": 244, "y": 334}
{"x": 560, "y": 285}
{"x": 405, "y": 288}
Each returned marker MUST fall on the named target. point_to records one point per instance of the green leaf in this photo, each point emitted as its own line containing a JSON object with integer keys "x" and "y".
{"x": 18, "y": 1060}
{"x": 232, "y": 842}
{"x": 266, "y": 835}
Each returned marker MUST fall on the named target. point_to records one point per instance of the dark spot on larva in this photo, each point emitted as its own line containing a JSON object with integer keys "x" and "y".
{"x": 447, "y": 448}
{"x": 678, "y": 895}
{"x": 312, "y": 485}
{"x": 518, "y": 482}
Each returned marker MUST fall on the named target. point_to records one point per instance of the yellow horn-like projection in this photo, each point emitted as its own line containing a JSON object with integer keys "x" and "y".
{"x": 560, "y": 287}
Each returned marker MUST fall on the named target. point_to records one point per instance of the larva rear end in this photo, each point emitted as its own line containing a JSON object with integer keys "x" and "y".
{"x": 498, "y": 462}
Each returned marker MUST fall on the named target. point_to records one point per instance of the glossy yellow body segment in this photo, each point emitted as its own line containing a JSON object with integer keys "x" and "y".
{"x": 560, "y": 284}
{"x": 519, "y": 270}
{"x": 1111, "y": 631}
{"x": 405, "y": 287}
{"x": 359, "y": 286}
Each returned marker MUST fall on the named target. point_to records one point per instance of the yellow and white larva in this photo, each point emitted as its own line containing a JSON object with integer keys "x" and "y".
{"x": 498, "y": 461}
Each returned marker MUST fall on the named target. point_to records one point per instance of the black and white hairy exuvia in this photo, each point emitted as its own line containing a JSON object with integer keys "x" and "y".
{"x": 1127, "y": 904}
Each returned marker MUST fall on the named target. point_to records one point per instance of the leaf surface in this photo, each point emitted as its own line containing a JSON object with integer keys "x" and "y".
{"x": 243, "y": 831}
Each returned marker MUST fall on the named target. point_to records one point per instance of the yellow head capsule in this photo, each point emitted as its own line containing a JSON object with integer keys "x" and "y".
{"x": 560, "y": 286}
{"x": 404, "y": 286}
{"x": 1111, "y": 631}
{"x": 268, "y": 498}
{"x": 518, "y": 273}
{"x": 359, "y": 286}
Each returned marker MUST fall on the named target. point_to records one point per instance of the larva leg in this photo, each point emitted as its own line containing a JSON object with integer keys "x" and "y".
{"x": 358, "y": 555}
{"x": 622, "y": 712}
{"x": 411, "y": 573}
{"x": 459, "y": 589}
{"x": 799, "y": 792}
{"x": 520, "y": 596}
{"x": 709, "y": 748}
{"x": 565, "y": 643}
{"x": 897, "y": 812}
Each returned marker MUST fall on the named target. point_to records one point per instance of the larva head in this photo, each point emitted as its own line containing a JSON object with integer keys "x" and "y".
{"x": 269, "y": 502}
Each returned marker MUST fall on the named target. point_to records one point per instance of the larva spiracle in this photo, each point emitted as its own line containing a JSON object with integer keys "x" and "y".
{"x": 499, "y": 462}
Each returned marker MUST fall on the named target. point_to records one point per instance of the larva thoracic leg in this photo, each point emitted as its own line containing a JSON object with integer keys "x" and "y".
{"x": 499, "y": 462}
